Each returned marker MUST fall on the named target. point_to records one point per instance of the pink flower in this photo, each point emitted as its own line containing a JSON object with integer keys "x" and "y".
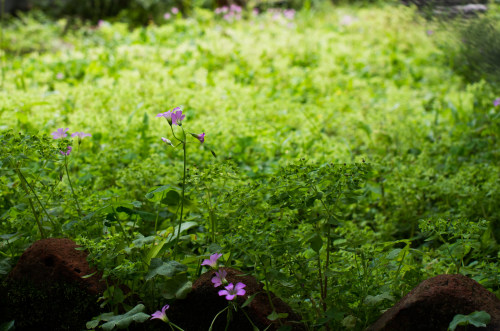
{"x": 220, "y": 278}
{"x": 200, "y": 137}
{"x": 177, "y": 116}
{"x": 212, "y": 262}
{"x": 167, "y": 16}
{"x": 60, "y": 75}
{"x": 161, "y": 314}
{"x": 496, "y": 103}
{"x": 67, "y": 152}
{"x": 231, "y": 291}
{"x": 80, "y": 135}
{"x": 175, "y": 10}
{"x": 60, "y": 133}
{"x": 289, "y": 14}
{"x": 167, "y": 115}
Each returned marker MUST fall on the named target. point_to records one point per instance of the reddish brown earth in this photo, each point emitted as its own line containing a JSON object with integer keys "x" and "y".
{"x": 45, "y": 290}
{"x": 56, "y": 260}
{"x": 434, "y": 302}
{"x": 198, "y": 310}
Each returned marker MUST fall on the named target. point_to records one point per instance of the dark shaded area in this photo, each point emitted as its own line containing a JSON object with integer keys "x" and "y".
{"x": 198, "y": 310}
{"x": 434, "y": 302}
{"x": 46, "y": 291}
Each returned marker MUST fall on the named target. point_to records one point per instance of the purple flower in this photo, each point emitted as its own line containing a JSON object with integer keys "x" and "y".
{"x": 167, "y": 115}
{"x": 175, "y": 10}
{"x": 161, "y": 314}
{"x": 289, "y": 14}
{"x": 80, "y": 135}
{"x": 67, "y": 152}
{"x": 167, "y": 16}
{"x": 231, "y": 291}
{"x": 496, "y": 103}
{"x": 177, "y": 116}
{"x": 200, "y": 137}
{"x": 60, "y": 133}
{"x": 212, "y": 262}
{"x": 220, "y": 278}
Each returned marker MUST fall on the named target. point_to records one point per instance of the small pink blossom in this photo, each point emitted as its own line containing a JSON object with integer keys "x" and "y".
{"x": 231, "y": 291}
{"x": 167, "y": 115}
{"x": 161, "y": 314}
{"x": 67, "y": 152}
{"x": 80, "y": 135}
{"x": 60, "y": 75}
{"x": 175, "y": 10}
{"x": 60, "y": 133}
{"x": 167, "y": 16}
{"x": 220, "y": 278}
{"x": 289, "y": 14}
{"x": 200, "y": 137}
{"x": 212, "y": 262}
{"x": 177, "y": 116}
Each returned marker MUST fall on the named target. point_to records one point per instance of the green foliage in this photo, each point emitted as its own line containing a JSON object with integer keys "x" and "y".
{"x": 344, "y": 146}
{"x": 476, "y": 51}
{"x": 120, "y": 321}
{"x": 477, "y": 318}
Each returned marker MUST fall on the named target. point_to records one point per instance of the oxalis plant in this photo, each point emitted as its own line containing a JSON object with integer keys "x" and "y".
{"x": 229, "y": 290}
{"x": 174, "y": 118}
{"x": 61, "y": 134}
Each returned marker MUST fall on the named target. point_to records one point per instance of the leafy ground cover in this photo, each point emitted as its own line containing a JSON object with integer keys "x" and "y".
{"x": 338, "y": 142}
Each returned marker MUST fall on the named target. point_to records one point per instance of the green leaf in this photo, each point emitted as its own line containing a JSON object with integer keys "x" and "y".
{"x": 123, "y": 321}
{"x": 316, "y": 242}
{"x": 7, "y": 326}
{"x": 159, "y": 189}
{"x": 167, "y": 269}
{"x": 92, "y": 324}
{"x": 88, "y": 276}
{"x": 172, "y": 198}
{"x": 144, "y": 215}
{"x": 274, "y": 316}
{"x": 177, "y": 287}
{"x": 477, "y": 318}
{"x": 375, "y": 300}
{"x": 249, "y": 300}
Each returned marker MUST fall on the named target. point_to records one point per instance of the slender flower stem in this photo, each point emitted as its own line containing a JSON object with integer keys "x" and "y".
{"x": 183, "y": 191}
{"x": 35, "y": 214}
{"x": 213, "y": 321}
{"x": 71, "y": 186}
{"x": 176, "y": 326}
{"x": 25, "y": 184}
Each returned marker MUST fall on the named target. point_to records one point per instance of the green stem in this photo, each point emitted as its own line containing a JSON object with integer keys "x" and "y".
{"x": 267, "y": 289}
{"x": 176, "y": 326}
{"x": 228, "y": 318}
{"x": 71, "y": 186}
{"x": 213, "y": 321}
{"x": 122, "y": 228}
{"x": 35, "y": 214}
{"x": 25, "y": 181}
{"x": 183, "y": 191}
